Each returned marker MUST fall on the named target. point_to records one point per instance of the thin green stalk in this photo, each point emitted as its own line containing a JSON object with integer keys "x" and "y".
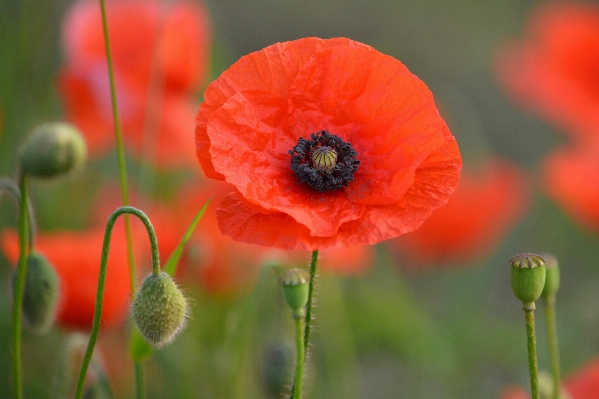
{"x": 313, "y": 265}
{"x": 102, "y": 279}
{"x": 120, "y": 149}
{"x": 553, "y": 345}
{"x": 7, "y": 185}
{"x": 301, "y": 357}
{"x": 122, "y": 174}
{"x": 531, "y": 342}
{"x": 19, "y": 290}
{"x": 139, "y": 377}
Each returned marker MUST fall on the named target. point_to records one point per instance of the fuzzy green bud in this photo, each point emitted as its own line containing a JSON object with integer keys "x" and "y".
{"x": 159, "y": 309}
{"x": 552, "y": 279}
{"x": 295, "y": 290}
{"x": 52, "y": 149}
{"x": 41, "y": 294}
{"x": 528, "y": 278}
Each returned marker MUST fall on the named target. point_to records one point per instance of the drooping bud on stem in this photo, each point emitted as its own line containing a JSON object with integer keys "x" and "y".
{"x": 528, "y": 278}
{"x": 52, "y": 149}
{"x": 159, "y": 309}
{"x": 296, "y": 290}
{"x": 41, "y": 294}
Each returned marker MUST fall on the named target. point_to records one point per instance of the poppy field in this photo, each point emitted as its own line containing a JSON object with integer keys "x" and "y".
{"x": 299, "y": 199}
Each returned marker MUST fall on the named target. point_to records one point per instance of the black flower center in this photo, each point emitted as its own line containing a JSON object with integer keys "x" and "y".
{"x": 324, "y": 161}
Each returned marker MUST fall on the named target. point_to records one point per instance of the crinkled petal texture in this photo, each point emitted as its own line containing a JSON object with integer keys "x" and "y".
{"x": 259, "y": 108}
{"x": 553, "y": 69}
{"x": 570, "y": 176}
{"x": 487, "y": 203}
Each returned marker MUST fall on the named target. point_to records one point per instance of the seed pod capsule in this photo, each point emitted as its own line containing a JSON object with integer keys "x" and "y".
{"x": 295, "y": 290}
{"x": 528, "y": 277}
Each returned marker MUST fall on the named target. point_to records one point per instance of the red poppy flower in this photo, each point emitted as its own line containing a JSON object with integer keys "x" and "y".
{"x": 76, "y": 259}
{"x": 160, "y": 54}
{"x": 554, "y": 68}
{"x": 486, "y": 204}
{"x": 327, "y": 108}
{"x": 568, "y": 173}
{"x": 584, "y": 384}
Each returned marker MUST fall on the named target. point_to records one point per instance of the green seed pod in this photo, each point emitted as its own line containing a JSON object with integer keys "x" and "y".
{"x": 52, "y": 149}
{"x": 41, "y": 294}
{"x": 159, "y": 309}
{"x": 528, "y": 278}
{"x": 295, "y": 290}
{"x": 552, "y": 279}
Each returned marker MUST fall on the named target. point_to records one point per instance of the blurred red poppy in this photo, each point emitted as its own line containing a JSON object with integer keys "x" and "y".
{"x": 160, "y": 56}
{"x": 553, "y": 69}
{"x": 486, "y": 204}
{"x": 75, "y": 256}
{"x": 372, "y": 157}
{"x": 568, "y": 173}
{"x": 584, "y": 384}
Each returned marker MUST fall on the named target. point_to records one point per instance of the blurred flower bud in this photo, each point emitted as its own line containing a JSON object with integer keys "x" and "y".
{"x": 528, "y": 278}
{"x": 295, "y": 290}
{"x": 52, "y": 149}
{"x": 277, "y": 367}
{"x": 552, "y": 278}
{"x": 41, "y": 294}
{"x": 159, "y": 309}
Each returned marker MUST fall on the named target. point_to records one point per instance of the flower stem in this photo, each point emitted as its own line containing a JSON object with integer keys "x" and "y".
{"x": 139, "y": 378}
{"x": 123, "y": 178}
{"x": 9, "y": 186}
{"x": 19, "y": 289}
{"x": 313, "y": 265}
{"x": 532, "y": 349}
{"x": 102, "y": 279}
{"x": 120, "y": 148}
{"x": 553, "y": 345}
{"x": 301, "y": 357}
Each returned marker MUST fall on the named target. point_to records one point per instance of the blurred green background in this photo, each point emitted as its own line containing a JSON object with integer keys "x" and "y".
{"x": 443, "y": 333}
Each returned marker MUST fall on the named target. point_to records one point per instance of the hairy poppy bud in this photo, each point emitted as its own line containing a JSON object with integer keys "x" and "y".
{"x": 159, "y": 309}
{"x": 295, "y": 290}
{"x": 41, "y": 294}
{"x": 52, "y": 149}
{"x": 552, "y": 278}
{"x": 528, "y": 277}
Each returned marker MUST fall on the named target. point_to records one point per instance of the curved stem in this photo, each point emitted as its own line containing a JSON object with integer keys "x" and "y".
{"x": 313, "y": 265}
{"x": 120, "y": 148}
{"x": 102, "y": 279}
{"x": 19, "y": 289}
{"x": 8, "y": 185}
{"x": 532, "y": 351}
{"x": 553, "y": 345}
{"x": 301, "y": 357}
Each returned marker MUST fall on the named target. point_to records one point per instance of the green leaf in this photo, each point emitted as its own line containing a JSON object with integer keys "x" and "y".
{"x": 171, "y": 264}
